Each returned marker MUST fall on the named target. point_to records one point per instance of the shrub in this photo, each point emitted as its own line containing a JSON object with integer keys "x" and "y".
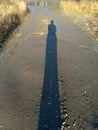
{"x": 11, "y": 14}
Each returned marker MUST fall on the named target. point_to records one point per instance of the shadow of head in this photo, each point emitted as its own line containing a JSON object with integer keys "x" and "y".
{"x": 52, "y": 21}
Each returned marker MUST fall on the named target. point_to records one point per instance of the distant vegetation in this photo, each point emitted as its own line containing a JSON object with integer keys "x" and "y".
{"x": 80, "y": 6}
{"x": 11, "y": 14}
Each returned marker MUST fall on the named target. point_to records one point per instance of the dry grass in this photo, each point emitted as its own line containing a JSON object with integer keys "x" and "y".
{"x": 86, "y": 7}
{"x": 85, "y": 12}
{"x": 11, "y": 13}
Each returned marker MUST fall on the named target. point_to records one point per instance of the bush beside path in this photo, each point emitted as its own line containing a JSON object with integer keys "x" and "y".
{"x": 11, "y": 15}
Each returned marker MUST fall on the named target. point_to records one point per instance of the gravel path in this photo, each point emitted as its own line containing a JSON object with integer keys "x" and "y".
{"x": 49, "y": 84}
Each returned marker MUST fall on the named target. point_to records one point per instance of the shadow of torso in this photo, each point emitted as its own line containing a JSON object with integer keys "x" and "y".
{"x": 51, "y": 37}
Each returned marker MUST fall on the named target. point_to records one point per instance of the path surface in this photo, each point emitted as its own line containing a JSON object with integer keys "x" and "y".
{"x": 48, "y": 82}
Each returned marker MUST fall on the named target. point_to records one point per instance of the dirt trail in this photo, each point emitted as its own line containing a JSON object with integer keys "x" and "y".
{"x": 49, "y": 83}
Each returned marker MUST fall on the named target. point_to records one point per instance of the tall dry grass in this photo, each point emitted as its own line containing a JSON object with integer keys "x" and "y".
{"x": 11, "y": 14}
{"x": 83, "y": 7}
{"x": 84, "y": 11}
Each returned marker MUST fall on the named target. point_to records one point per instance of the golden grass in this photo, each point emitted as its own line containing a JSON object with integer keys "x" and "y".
{"x": 86, "y": 12}
{"x": 83, "y": 7}
{"x": 11, "y": 14}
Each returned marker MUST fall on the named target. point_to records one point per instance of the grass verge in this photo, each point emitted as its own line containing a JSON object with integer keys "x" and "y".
{"x": 11, "y": 15}
{"x": 82, "y": 7}
{"x": 85, "y": 12}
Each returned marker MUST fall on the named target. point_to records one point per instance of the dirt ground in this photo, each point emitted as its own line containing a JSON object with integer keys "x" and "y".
{"x": 22, "y": 75}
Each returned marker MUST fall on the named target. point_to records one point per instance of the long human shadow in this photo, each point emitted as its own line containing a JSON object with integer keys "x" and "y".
{"x": 49, "y": 116}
